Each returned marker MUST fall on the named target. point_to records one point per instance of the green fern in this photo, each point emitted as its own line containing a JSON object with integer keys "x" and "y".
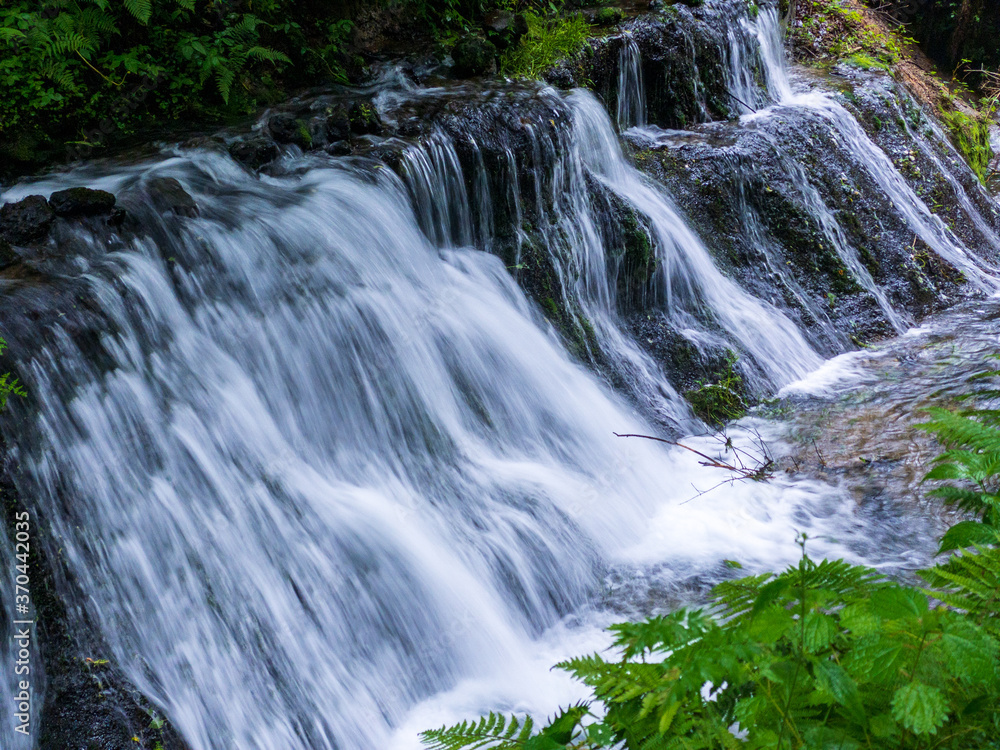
{"x": 141, "y": 10}
{"x": 495, "y": 731}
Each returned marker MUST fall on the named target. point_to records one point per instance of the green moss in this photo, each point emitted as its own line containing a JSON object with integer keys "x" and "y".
{"x": 721, "y": 401}
{"x": 971, "y": 137}
{"x": 867, "y": 62}
{"x": 609, "y": 16}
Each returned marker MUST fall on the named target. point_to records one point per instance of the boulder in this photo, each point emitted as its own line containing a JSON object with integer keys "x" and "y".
{"x": 338, "y": 124}
{"x": 364, "y": 118}
{"x": 81, "y": 201}
{"x": 254, "y": 151}
{"x": 27, "y": 220}
{"x": 167, "y": 194}
{"x": 287, "y": 128}
{"x": 474, "y": 56}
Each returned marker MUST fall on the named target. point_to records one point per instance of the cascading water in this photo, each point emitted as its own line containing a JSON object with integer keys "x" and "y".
{"x": 331, "y": 479}
{"x": 631, "y": 89}
{"x": 924, "y": 224}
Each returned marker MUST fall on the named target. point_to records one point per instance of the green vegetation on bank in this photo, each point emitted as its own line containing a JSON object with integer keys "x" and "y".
{"x": 546, "y": 41}
{"x": 821, "y": 655}
{"x": 77, "y": 74}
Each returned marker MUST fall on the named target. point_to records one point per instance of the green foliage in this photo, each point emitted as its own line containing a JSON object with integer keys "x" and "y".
{"x": 79, "y": 70}
{"x": 971, "y": 136}
{"x": 822, "y": 655}
{"x": 721, "y": 401}
{"x": 9, "y": 385}
{"x": 547, "y": 41}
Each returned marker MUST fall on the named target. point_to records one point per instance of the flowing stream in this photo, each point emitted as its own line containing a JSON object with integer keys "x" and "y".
{"x": 334, "y": 480}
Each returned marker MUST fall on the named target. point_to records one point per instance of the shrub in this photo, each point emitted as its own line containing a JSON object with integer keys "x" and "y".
{"x": 822, "y": 655}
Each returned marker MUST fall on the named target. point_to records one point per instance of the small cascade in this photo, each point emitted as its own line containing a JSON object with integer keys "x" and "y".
{"x": 631, "y": 89}
{"x": 433, "y": 174}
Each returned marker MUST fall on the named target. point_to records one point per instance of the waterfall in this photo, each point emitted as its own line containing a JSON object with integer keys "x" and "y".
{"x": 870, "y": 158}
{"x": 631, "y": 90}
{"x": 327, "y": 476}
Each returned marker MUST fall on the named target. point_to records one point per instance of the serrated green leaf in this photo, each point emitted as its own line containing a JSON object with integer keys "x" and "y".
{"x": 820, "y": 630}
{"x": 895, "y": 602}
{"x": 920, "y": 708}
{"x": 831, "y": 678}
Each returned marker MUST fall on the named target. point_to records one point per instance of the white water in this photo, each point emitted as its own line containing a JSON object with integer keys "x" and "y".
{"x": 631, "y": 89}
{"x": 340, "y": 483}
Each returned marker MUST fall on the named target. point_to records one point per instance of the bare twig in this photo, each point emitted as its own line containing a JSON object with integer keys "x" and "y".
{"x": 740, "y": 471}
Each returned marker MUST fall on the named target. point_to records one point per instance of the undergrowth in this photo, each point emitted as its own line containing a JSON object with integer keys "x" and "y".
{"x": 547, "y": 41}
{"x": 822, "y": 655}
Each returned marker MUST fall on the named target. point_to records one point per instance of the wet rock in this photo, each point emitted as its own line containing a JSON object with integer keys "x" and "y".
{"x": 117, "y": 217}
{"x": 287, "y": 128}
{"x": 364, "y": 118}
{"x": 7, "y": 255}
{"x": 338, "y": 123}
{"x": 167, "y": 194}
{"x": 255, "y": 151}
{"x": 474, "y": 56}
{"x": 81, "y": 201}
{"x": 339, "y": 148}
{"x": 27, "y": 220}
{"x": 499, "y": 20}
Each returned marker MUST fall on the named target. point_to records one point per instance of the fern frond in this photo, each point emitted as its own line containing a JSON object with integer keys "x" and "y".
{"x": 224, "y": 76}
{"x": 141, "y": 10}
{"x": 970, "y": 581}
{"x": 495, "y": 731}
{"x": 958, "y": 430}
{"x": 268, "y": 55}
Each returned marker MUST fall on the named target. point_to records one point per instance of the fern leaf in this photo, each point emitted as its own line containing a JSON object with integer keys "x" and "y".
{"x": 141, "y": 10}
{"x": 268, "y": 55}
{"x": 495, "y": 731}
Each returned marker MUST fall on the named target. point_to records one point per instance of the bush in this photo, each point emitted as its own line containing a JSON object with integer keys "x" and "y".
{"x": 80, "y": 70}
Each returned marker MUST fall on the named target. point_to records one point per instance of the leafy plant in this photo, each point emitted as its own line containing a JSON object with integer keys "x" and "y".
{"x": 821, "y": 655}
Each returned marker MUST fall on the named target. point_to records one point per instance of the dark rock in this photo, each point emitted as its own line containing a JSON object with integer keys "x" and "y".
{"x": 498, "y": 20}
{"x": 364, "y": 118}
{"x": 81, "y": 201}
{"x": 117, "y": 217}
{"x": 338, "y": 124}
{"x": 27, "y": 220}
{"x": 339, "y": 148}
{"x": 287, "y": 128}
{"x": 255, "y": 151}
{"x": 167, "y": 194}
{"x": 475, "y": 56}
{"x": 7, "y": 255}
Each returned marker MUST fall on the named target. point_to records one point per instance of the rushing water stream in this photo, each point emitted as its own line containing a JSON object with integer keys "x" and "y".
{"x": 333, "y": 479}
